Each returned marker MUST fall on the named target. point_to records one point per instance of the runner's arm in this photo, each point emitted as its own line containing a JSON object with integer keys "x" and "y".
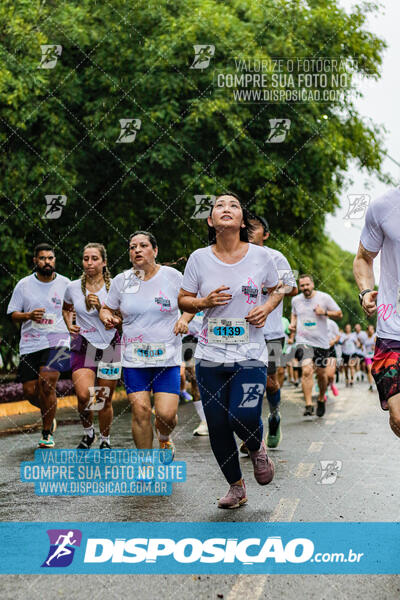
{"x": 294, "y": 291}
{"x": 287, "y": 290}
{"x": 108, "y": 317}
{"x": 364, "y": 275}
{"x": 275, "y": 297}
{"x": 334, "y": 314}
{"x": 292, "y": 327}
{"x": 363, "y": 268}
{"x": 35, "y": 315}
{"x": 187, "y": 317}
{"x": 287, "y": 277}
{"x": 259, "y": 314}
{"x": 181, "y": 326}
{"x": 190, "y": 303}
{"x": 334, "y": 340}
{"x": 19, "y": 317}
{"x": 68, "y": 316}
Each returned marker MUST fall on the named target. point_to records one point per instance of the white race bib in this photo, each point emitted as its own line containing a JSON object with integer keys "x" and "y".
{"x": 149, "y": 352}
{"x": 48, "y": 322}
{"x": 228, "y": 331}
{"x": 309, "y": 324}
{"x": 109, "y": 370}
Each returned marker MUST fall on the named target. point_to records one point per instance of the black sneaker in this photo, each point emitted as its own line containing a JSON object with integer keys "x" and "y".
{"x": 105, "y": 445}
{"x": 274, "y": 430}
{"x": 309, "y": 411}
{"x": 320, "y": 408}
{"x": 86, "y": 442}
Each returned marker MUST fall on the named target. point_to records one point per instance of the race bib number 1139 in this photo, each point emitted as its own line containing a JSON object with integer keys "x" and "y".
{"x": 228, "y": 331}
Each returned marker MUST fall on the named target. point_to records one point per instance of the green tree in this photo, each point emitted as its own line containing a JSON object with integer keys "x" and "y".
{"x": 120, "y": 60}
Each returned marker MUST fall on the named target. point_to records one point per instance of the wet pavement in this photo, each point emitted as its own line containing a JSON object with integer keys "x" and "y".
{"x": 354, "y": 435}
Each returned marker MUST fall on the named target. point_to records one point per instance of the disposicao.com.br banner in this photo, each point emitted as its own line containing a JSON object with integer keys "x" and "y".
{"x": 159, "y": 548}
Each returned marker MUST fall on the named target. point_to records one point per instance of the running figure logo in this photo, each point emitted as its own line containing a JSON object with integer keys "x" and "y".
{"x": 59, "y": 358}
{"x": 279, "y": 130}
{"x": 204, "y": 203}
{"x": 329, "y": 471}
{"x": 132, "y": 281}
{"x": 55, "y": 205}
{"x": 252, "y": 392}
{"x": 203, "y": 53}
{"x": 251, "y": 291}
{"x": 288, "y": 277}
{"x": 50, "y": 54}
{"x": 358, "y": 204}
{"x": 63, "y": 543}
{"x": 129, "y": 129}
{"x": 97, "y": 397}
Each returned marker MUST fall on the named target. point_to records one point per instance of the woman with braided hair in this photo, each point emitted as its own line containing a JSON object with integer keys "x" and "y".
{"x": 95, "y": 351}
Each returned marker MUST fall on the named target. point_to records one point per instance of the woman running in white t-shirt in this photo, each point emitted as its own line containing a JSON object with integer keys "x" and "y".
{"x": 147, "y": 297}
{"x": 95, "y": 352}
{"x": 225, "y": 279}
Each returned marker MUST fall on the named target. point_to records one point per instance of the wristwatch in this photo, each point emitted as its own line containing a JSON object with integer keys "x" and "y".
{"x": 362, "y": 294}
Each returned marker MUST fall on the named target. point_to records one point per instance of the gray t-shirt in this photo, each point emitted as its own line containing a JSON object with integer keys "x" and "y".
{"x": 312, "y": 329}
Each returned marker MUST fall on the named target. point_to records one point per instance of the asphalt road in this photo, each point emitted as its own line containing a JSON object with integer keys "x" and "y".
{"x": 354, "y": 435}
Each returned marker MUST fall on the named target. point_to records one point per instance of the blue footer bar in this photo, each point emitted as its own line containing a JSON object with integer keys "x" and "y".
{"x": 160, "y": 548}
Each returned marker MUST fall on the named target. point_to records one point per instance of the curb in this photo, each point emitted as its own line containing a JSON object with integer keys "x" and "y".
{"x": 24, "y": 406}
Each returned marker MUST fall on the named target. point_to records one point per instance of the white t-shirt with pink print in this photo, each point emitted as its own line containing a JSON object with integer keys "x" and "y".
{"x": 31, "y": 293}
{"x": 204, "y": 273}
{"x": 149, "y": 310}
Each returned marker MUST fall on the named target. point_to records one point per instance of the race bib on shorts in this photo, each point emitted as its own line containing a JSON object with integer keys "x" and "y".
{"x": 107, "y": 370}
{"x": 228, "y": 331}
{"x": 48, "y": 322}
{"x": 309, "y": 324}
{"x": 149, "y": 352}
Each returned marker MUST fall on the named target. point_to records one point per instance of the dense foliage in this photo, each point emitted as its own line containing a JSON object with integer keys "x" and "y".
{"x": 129, "y": 60}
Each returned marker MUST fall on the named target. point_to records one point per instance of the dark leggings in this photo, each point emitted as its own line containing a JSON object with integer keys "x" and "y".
{"x": 232, "y": 400}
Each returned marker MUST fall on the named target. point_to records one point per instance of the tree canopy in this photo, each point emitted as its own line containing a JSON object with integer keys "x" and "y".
{"x": 61, "y": 128}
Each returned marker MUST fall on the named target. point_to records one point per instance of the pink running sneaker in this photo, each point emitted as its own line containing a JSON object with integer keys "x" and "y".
{"x": 263, "y": 466}
{"x": 235, "y": 497}
{"x": 334, "y": 389}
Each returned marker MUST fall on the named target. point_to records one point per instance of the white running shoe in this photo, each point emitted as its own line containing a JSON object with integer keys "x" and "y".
{"x": 202, "y": 429}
